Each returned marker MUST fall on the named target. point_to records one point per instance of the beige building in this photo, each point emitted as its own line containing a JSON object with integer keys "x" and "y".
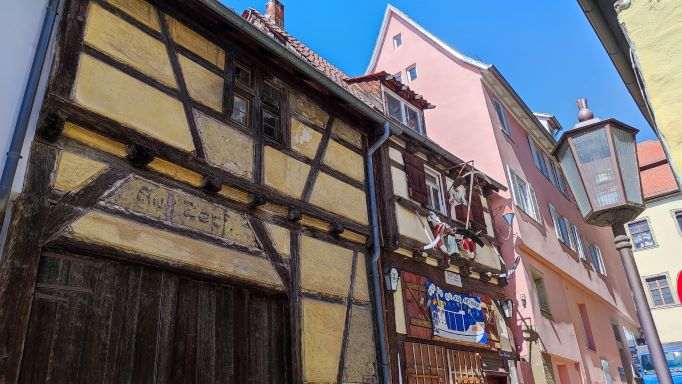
{"x": 657, "y": 240}
{"x": 644, "y": 40}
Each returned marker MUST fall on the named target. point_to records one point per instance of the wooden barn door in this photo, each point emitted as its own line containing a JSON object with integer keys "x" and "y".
{"x": 103, "y": 321}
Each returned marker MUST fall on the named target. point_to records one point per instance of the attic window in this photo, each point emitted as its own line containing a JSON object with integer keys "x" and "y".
{"x": 398, "y": 77}
{"x": 397, "y": 41}
{"x": 402, "y": 111}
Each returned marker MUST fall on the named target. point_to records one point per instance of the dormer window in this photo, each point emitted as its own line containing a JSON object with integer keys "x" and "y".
{"x": 402, "y": 111}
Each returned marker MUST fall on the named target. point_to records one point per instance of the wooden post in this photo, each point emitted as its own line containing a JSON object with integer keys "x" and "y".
{"x": 19, "y": 264}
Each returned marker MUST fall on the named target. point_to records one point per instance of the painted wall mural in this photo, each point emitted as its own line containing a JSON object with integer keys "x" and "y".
{"x": 456, "y": 316}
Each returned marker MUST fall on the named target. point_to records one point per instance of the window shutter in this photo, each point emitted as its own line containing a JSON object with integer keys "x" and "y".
{"x": 416, "y": 178}
{"x": 571, "y": 238}
{"x": 512, "y": 185}
{"x": 555, "y": 219}
{"x": 534, "y": 204}
{"x": 477, "y": 216}
{"x": 415, "y": 300}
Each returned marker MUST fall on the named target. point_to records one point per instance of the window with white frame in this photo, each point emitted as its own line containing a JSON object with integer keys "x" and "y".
{"x": 562, "y": 227}
{"x": 539, "y": 158}
{"x": 502, "y": 117}
{"x": 659, "y": 290}
{"x": 402, "y": 111}
{"x": 559, "y": 179}
{"x": 434, "y": 190}
{"x": 524, "y": 196}
{"x": 579, "y": 242}
{"x": 597, "y": 259}
{"x": 397, "y": 41}
{"x": 641, "y": 234}
{"x": 412, "y": 72}
{"x": 678, "y": 219}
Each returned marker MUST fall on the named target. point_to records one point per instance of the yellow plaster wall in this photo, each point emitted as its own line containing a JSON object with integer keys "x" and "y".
{"x": 654, "y": 30}
{"x": 344, "y": 160}
{"x": 116, "y": 95}
{"x": 408, "y": 224}
{"x": 322, "y": 334}
{"x": 395, "y": 155}
{"x": 75, "y": 171}
{"x": 281, "y": 239}
{"x": 304, "y": 139}
{"x": 325, "y": 267}
{"x": 104, "y": 229}
{"x": 399, "y": 309}
{"x": 126, "y": 43}
{"x": 487, "y": 256}
{"x": 399, "y": 179}
{"x": 182, "y": 209}
{"x": 360, "y": 360}
{"x": 225, "y": 147}
{"x": 663, "y": 258}
{"x": 347, "y": 133}
{"x": 284, "y": 173}
{"x": 140, "y": 10}
{"x": 338, "y": 197}
{"x": 196, "y": 43}
{"x": 203, "y": 85}
{"x": 361, "y": 288}
{"x": 302, "y": 106}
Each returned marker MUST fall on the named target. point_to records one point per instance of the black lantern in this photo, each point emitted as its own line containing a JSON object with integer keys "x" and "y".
{"x": 507, "y": 308}
{"x": 599, "y": 159}
{"x": 391, "y": 278}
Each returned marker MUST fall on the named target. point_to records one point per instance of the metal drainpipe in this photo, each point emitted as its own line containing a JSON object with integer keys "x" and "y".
{"x": 14, "y": 153}
{"x": 376, "y": 251}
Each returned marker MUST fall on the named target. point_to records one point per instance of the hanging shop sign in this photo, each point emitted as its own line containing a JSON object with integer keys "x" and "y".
{"x": 456, "y": 316}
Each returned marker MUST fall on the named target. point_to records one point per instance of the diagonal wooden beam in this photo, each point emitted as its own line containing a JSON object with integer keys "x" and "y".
{"x": 271, "y": 252}
{"x": 317, "y": 162}
{"x": 75, "y": 204}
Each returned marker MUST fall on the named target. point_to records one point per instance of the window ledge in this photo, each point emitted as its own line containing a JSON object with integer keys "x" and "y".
{"x": 529, "y": 216}
{"x": 643, "y": 248}
{"x": 507, "y": 135}
{"x": 666, "y": 306}
{"x": 546, "y": 314}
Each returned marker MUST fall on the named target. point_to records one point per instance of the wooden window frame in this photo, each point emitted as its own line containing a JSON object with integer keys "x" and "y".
{"x": 541, "y": 292}
{"x": 249, "y": 108}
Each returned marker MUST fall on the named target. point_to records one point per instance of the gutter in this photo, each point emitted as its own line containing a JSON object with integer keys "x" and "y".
{"x": 376, "y": 252}
{"x": 21, "y": 127}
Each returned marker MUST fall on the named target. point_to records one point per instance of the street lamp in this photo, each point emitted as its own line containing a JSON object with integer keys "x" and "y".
{"x": 599, "y": 159}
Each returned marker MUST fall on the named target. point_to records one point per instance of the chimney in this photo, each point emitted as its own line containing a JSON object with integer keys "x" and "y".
{"x": 274, "y": 10}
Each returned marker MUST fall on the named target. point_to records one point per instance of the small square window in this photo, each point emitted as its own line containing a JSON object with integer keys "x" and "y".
{"x": 412, "y": 73}
{"x": 397, "y": 41}
{"x": 271, "y": 125}
{"x": 271, "y": 94}
{"x": 434, "y": 191}
{"x": 240, "y": 110}
{"x": 242, "y": 74}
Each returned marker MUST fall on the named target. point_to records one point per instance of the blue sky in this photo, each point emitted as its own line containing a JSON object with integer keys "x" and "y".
{"x": 546, "y": 49}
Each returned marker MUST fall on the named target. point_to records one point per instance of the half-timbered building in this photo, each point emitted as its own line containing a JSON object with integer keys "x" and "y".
{"x": 444, "y": 313}
{"x": 194, "y": 208}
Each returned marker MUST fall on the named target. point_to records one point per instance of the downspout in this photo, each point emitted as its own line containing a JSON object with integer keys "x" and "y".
{"x": 21, "y": 127}
{"x": 376, "y": 251}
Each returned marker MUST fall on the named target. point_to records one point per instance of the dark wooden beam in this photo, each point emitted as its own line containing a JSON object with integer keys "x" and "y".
{"x": 315, "y": 167}
{"x": 19, "y": 264}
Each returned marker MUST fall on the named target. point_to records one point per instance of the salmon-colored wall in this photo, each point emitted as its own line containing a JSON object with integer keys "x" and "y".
{"x": 464, "y": 122}
{"x": 447, "y": 86}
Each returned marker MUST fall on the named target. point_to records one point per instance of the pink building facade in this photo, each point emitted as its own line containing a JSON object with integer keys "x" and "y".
{"x": 573, "y": 308}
